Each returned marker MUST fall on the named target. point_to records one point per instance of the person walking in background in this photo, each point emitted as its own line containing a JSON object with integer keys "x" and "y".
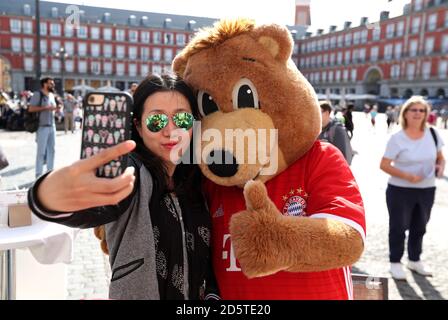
{"x": 69, "y": 107}
{"x": 444, "y": 116}
{"x": 348, "y": 120}
{"x": 373, "y": 114}
{"x": 334, "y": 132}
{"x": 413, "y": 159}
{"x": 43, "y": 101}
{"x": 390, "y": 117}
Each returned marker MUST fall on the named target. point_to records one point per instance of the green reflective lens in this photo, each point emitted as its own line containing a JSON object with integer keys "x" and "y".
{"x": 183, "y": 120}
{"x": 156, "y": 122}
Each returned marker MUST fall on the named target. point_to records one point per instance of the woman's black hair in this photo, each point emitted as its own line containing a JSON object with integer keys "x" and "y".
{"x": 186, "y": 176}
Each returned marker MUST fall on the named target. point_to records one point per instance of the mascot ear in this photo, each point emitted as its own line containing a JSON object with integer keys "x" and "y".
{"x": 276, "y": 40}
{"x": 179, "y": 64}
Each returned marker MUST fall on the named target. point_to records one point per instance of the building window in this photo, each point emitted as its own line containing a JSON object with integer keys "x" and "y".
{"x": 348, "y": 39}
{"x": 107, "y": 51}
{"x": 69, "y": 66}
{"x": 415, "y": 25}
{"x": 445, "y": 44}
{"x": 95, "y": 49}
{"x": 374, "y": 54}
{"x": 82, "y": 66}
{"x": 410, "y": 72}
{"x": 168, "y": 55}
{"x": 333, "y": 42}
{"x": 68, "y": 30}
{"x": 426, "y": 70}
{"x": 43, "y": 28}
{"x": 107, "y": 68}
{"x": 144, "y": 53}
{"x": 95, "y": 33}
{"x": 28, "y": 45}
{"x": 325, "y": 60}
{"x": 432, "y": 22}
{"x": 43, "y": 46}
{"x": 354, "y": 75}
{"x": 168, "y": 38}
{"x": 362, "y": 54}
{"x": 144, "y": 36}
{"x": 180, "y": 39}
{"x": 29, "y": 64}
{"x": 95, "y": 67}
{"x": 400, "y": 29}
{"x": 340, "y": 57}
{"x": 157, "y": 69}
{"x": 332, "y": 59}
{"x": 446, "y": 19}
{"x": 133, "y": 36}
{"x": 356, "y": 38}
{"x": 55, "y": 65}
{"x": 319, "y": 61}
{"x": 120, "y": 35}
{"x": 28, "y": 27}
{"x": 390, "y": 30}
{"x": 345, "y": 75}
{"x": 326, "y": 43}
{"x": 347, "y": 57}
{"x": 69, "y": 48}
{"x": 82, "y": 49}
{"x": 15, "y": 25}
{"x": 376, "y": 35}
{"x": 330, "y": 76}
{"x": 120, "y": 52}
{"x": 395, "y": 72}
{"x": 82, "y": 32}
{"x": 107, "y": 34}
{"x": 156, "y": 54}
{"x": 156, "y": 37}
{"x": 429, "y": 45}
{"x": 398, "y": 49}
{"x": 324, "y": 76}
{"x": 55, "y": 29}
{"x": 338, "y": 75}
{"x": 55, "y": 46}
{"x": 413, "y": 47}
{"x": 340, "y": 41}
{"x": 418, "y": 5}
{"x": 132, "y": 52}
{"x": 144, "y": 70}
{"x": 443, "y": 68}
{"x": 132, "y": 70}
{"x": 388, "y": 51}
{"x": 120, "y": 69}
{"x": 295, "y": 51}
{"x": 364, "y": 35}
{"x": 44, "y": 64}
{"x": 319, "y": 45}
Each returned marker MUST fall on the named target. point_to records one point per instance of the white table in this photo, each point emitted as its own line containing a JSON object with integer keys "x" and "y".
{"x": 49, "y": 243}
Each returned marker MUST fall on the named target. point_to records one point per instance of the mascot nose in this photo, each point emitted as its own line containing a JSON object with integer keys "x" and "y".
{"x": 227, "y": 166}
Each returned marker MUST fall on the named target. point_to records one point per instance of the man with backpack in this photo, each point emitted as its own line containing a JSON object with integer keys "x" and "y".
{"x": 44, "y": 102}
{"x": 334, "y": 132}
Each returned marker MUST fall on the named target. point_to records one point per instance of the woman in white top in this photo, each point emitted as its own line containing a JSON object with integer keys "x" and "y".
{"x": 413, "y": 158}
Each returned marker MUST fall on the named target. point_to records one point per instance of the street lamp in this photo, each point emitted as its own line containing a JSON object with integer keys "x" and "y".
{"x": 62, "y": 55}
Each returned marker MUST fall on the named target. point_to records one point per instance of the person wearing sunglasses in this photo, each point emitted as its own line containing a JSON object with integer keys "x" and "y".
{"x": 413, "y": 159}
{"x": 157, "y": 226}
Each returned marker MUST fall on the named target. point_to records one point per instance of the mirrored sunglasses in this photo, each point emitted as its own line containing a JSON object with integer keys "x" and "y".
{"x": 158, "y": 121}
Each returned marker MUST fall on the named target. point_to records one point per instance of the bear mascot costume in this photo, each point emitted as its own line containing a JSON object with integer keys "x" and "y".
{"x": 288, "y": 217}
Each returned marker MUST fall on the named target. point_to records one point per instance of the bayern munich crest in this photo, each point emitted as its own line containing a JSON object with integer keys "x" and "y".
{"x": 295, "y": 206}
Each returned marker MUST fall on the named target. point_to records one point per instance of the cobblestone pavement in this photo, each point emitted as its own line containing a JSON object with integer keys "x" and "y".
{"x": 88, "y": 275}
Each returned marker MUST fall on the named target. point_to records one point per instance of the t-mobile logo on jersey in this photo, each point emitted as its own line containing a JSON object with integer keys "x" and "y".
{"x": 229, "y": 253}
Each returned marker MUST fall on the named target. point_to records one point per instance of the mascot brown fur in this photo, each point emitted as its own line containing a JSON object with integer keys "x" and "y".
{"x": 245, "y": 80}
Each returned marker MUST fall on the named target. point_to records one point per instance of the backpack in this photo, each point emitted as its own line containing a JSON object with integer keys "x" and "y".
{"x": 31, "y": 119}
{"x": 347, "y": 146}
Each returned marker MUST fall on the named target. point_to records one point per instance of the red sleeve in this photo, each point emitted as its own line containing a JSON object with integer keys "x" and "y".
{"x": 333, "y": 191}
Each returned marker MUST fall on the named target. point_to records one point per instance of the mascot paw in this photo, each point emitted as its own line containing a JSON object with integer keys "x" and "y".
{"x": 253, "y": 233}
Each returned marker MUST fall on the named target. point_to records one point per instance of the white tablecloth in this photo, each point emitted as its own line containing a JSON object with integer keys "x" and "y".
{"x": 48, "y": 242}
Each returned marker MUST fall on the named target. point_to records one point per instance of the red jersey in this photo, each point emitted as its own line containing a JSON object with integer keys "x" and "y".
{"x": 318, "y": 185}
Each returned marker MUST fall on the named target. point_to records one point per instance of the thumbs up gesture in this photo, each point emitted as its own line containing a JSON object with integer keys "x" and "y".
{"x": 256, "y": 233}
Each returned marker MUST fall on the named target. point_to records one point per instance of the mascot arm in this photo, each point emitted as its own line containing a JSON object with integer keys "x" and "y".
{"x": 266, "y": 242}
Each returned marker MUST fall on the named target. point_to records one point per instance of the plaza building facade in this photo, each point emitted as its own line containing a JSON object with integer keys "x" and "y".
{"x": 395, "y": 57}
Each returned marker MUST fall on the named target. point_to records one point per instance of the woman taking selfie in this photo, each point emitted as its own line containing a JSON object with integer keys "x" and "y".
{"x": 413, "y": 158}
{"x": 157, "y": 226}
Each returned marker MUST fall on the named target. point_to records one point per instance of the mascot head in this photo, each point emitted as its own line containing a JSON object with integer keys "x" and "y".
{"x": 251, "y": 94}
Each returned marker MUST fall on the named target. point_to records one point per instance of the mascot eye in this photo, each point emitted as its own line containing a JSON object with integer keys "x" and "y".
{"x": 245, "y": 95}
{"x": 206, "y": 104}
